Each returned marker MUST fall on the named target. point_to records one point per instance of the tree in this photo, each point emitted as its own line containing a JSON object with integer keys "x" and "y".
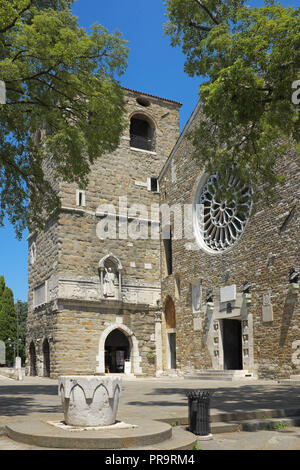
{"x": 64, "y": 106}
{"x": 249, "y": 58}
{"x": 8, "y": 323}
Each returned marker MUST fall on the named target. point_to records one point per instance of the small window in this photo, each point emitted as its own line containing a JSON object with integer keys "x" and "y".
{"x": 153, "y": 185}
{"x": 33, "y": 253}
{"x": 142, "y": 135}
{"x": 80, "y": 198}
{"x": 177, "y": 287}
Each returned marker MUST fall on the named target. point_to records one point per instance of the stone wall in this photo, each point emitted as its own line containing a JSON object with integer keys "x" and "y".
{"x": 68, "y": 253}
{"x": 263, "y": 255}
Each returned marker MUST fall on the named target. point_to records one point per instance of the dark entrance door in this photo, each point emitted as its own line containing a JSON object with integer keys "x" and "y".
{"x": 32, "y": 354}
{"x": 172, "y": 346}
{"x": 117, "y": 350}
{"x": 46, "y": 354}
{"x": 232, "y": 344}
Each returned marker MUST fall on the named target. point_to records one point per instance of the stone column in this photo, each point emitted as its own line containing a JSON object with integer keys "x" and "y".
{"x": 158, "y": 342}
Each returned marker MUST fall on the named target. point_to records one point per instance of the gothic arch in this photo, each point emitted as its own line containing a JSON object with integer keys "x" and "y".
{"x": 46, "y": 358}
{"x": 146, "y": 116}
{"x": 33, "y": 359}
{"x": 134, "y": 353}
{"x": 111, "y": 257}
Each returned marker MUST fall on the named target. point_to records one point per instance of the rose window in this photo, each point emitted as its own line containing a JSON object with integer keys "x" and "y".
{"x": 220, "y": 220}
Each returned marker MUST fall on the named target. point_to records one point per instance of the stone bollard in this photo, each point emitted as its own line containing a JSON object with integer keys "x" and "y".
{"x": 89, "y": 401}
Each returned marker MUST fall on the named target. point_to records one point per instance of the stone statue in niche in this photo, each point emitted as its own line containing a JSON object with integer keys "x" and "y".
{"x": 110, "y": 269}
{"x": 109, "y": 283}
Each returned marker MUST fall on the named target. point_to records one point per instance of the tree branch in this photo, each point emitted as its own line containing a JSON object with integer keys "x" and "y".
{"x": 12, "y": 24}
{"x": 200, "y": 26}
{"x": 204, "y": 7}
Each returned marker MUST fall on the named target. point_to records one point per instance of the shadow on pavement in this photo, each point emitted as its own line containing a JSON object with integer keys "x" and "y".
{"x": 22, "y": 400}
{"x": 229, "y": 399}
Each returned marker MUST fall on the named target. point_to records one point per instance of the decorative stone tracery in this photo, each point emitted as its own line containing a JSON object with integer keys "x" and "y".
{"x": 220, "y": 222}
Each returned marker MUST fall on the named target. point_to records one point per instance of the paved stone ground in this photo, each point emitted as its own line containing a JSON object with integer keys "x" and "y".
{"x": 286, "y": 439}
{"x": 157, "y": 398}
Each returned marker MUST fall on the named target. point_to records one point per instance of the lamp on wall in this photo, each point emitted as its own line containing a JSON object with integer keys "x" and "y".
{"x": 246, "y": 292}
{"x": 293, "y": 281}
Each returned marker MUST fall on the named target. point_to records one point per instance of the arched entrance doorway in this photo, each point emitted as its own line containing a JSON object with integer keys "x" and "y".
{"x": 46, "y": 358}
{"x": 32, "y": 355}
{"x": 170, "y": 319}
{"x": 135, "y": 358}
{"x": 117, "y": 351}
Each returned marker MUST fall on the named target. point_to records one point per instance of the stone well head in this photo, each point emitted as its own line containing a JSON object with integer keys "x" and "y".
{"x": 88, "y": 400}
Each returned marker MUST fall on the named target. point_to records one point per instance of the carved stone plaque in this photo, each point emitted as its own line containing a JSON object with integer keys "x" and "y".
{"x": 228, "y": 293}
{"x": 197, "y": 324}
{"x": 267, "y": 308}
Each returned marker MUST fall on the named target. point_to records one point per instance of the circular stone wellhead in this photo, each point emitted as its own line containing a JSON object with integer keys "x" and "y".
{"x": 89, "y": 400}
{"x": 218, "y": 222}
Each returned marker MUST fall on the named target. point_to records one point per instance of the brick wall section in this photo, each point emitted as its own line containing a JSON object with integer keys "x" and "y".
{"x": 263, "y": 255}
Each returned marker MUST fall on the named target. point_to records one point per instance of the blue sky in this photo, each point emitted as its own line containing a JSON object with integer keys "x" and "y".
{"x": 154, "y": 67}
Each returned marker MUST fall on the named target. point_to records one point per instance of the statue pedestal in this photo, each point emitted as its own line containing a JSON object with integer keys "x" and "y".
{"x": 89, "y": 400}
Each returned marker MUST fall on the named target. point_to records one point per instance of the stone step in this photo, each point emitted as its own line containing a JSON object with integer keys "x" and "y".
{"x": 211, "y": 374}
{"x": 181, "y": 440}
{"x": 295, "y": 377}
{"x": 227, "y": 378}
{"x": 289, "y": 381}
{"x": 238, "y": 416}
{"x": 269, "y": 424}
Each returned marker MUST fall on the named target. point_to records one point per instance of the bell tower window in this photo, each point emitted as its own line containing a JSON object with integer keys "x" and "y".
{"x": 142, "y": 133}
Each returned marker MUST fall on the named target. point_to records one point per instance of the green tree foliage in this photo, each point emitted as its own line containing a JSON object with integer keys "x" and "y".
{"x": 249, "y": 58}
{"x": 65, "y": 107}
{"x": 8, "y": 322}
{"x": 21, "y": 313}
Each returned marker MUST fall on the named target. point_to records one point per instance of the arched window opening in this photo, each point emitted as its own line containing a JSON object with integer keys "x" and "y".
{"x": 46, "y": 357}
{"x": 117, "y": 351}
{"x": 142, "y": 134}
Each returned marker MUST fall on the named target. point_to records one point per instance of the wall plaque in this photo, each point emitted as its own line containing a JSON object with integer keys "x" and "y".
{"x": 228, "y": 293}
{"x": 267, "y": 308}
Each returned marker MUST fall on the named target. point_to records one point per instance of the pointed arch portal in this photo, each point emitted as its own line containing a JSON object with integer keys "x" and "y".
{"x": 117, "y": 343}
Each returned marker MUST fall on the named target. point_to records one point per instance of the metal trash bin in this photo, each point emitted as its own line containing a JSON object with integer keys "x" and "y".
{"x": 199, "y": 416}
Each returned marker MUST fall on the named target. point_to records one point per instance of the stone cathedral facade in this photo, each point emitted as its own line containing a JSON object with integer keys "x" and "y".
{"x": 225, "y": 297}
{"x": 231, "y": 284}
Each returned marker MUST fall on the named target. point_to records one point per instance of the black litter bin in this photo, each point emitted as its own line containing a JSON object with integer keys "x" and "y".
{"x": 199, "y": 418}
